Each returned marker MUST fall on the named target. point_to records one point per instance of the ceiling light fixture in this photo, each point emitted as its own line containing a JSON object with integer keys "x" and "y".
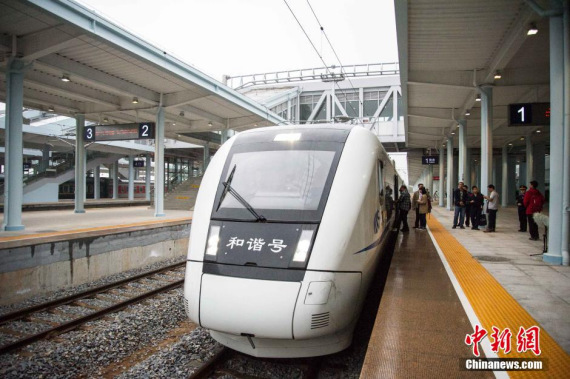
{"x": 105, "y": 119}
{"x": 510, "y": 144}
{"x": 468, "y": 113}
{"x": 65, "y": 78}
{"x": 181, "y": 113}
{"x": 173, "y": 124}
{"x": 497, "y": 75}
{"x": 522, "y": 138}
{"x": 538, "y": 131}
{"x": 135, "y": 100}
{"x": 51, "y": 109}
{"x": 478, "y": 98}
{"x": 210, "y": 124}
{"x": 452, "y": 133}
{"x": 532, "y": 29}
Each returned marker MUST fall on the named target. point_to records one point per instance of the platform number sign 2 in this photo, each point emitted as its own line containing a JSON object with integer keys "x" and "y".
{"x": 146, "y": 130}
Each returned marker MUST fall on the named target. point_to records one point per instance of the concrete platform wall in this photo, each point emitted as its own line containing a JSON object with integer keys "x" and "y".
{"x": 44, "y": 267}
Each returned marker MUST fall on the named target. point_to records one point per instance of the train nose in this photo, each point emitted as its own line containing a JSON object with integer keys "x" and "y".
{"x": 240, "y": 306}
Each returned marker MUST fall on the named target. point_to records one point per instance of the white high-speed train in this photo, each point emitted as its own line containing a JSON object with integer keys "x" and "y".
{"x": 288, "y": 227}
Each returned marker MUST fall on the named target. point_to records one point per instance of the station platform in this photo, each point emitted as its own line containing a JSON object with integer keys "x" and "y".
{"x": 442, "y": 282}
{"x": 89, "y": 203}
{"x": 66, "y": 222}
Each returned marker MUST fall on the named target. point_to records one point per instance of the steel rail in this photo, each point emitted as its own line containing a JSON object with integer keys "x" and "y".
{"x": 210, "y": 365}
{"x": 70, "y": 325}
{"x": 22, "y": 313}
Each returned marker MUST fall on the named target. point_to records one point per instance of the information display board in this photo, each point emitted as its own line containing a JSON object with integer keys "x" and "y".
{"x": 430, "y": 159}
{"x": 119, "y": 132}
{"x": 138, "y": 164}
{"x": 529, "y": 114}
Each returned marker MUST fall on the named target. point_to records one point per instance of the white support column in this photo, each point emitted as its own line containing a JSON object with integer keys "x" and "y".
{"x": 14, "y": 148}
{"x": 206, "y": 159}
{"x": 147, "y": 177}
{"x": 450, "y": 180}
{"x": 80, "y": 153}
{"x": 467, "y": 179}
{"x": 159, "y": 164}
{"x": 131, "y": 178}
{"x": 558, "y": 229}
{"x": 462, "y": 145}
{"x": 505, "y": 178}
{"x": 486, "y": 136}
{"x": 529, "y": 158}
{"x": 115, "y": 173}
{"x": 361, "y": 102}
{"x": 97, "y": 182}
{"x": 441, "y": 177}
{"x": 430, "y": 180}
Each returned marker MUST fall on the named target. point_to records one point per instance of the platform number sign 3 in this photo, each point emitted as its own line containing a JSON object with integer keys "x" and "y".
{"x": 89, "y": 133}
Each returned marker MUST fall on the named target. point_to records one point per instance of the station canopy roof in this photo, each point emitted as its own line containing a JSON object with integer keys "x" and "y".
{"x": 114, "y": 76}
{"x": 449, "y": 48}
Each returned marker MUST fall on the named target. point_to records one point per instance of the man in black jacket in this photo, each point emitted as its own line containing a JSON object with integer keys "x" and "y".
{"x": 459, "y": 200}
{"x": 522, "y": 209}
{"x": 476, "y": 201}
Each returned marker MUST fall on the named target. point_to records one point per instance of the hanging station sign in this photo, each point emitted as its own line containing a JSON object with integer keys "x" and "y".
{"x": 138, "y": 164}
{"x": 529, "y": 114}
{"x": 119, "y": 132}
{"x": 430, "y": 159}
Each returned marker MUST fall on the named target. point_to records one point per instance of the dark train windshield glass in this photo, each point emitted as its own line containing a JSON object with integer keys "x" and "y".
{"x": 281, "y": 184}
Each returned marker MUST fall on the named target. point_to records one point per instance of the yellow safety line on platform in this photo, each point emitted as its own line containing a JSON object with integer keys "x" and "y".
{"x": 98, "y": 228}
{"x": 494, "y": 306}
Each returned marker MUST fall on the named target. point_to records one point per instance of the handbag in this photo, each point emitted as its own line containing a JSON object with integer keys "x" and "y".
{"x": 483, "y": 219}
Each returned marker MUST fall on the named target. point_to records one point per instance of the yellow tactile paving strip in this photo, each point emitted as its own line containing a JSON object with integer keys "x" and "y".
{"x": 494, "y": 306}
{"x": 108, "y": 229}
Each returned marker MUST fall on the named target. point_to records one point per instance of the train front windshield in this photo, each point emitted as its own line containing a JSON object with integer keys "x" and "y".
{"x": 280, "y": 185}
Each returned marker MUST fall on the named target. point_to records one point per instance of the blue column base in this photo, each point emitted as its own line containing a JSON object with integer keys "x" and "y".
{"x": 552, "y": 259}
{"x": 14, "y": 228}
{"x": 159, "y": 214}
{"x": 79, "y": 211}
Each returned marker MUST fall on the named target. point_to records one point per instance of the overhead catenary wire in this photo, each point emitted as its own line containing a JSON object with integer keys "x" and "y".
{"x": 331, "y": 45}
{"x": 318, "y": 53}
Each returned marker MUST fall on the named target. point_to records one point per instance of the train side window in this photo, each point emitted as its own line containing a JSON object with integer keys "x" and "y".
{"x": 380, "y": 167}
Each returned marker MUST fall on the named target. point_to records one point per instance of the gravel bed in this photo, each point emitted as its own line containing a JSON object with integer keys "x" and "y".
{"x": 71, "y": 291}
{"x": 97, "y": 303}
{"x": 87, "y": 351}
{"x": 178, "y": 360}
{"x": 74, "y": 310}
{"x": 7, "y": 338}
{"x": 27, "y": 328}
{"x": 53, "y": 317}
{"x": 270, "y": 369}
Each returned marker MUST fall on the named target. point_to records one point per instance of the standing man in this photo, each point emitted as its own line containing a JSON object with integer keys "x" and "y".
{"x": 533, "y": 201}
{"x": 521, "y": 209}
{"x": 475, "y": 206}
{"x": 404, "y": 205}
{"x": 459, "y": 200}
{"x": 492, "y": 208}
{"x": 416, "y": 205}
{"x": 467, "y": 206}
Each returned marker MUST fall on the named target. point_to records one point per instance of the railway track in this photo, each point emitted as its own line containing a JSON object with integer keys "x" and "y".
{"x": 119, "y": 295}
{"x": 214, "y": 367}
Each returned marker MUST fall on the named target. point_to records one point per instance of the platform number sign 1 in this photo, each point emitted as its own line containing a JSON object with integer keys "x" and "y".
{"x": 529, "y": 114}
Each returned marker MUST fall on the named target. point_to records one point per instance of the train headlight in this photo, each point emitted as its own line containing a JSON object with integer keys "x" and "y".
{"x": 303, "y": 246}
{"x": 213, "y": 240}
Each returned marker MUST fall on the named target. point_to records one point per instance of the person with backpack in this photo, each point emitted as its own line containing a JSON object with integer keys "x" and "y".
{"x": 533, "y": 202}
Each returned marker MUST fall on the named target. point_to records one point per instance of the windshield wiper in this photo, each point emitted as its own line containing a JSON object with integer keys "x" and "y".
{"x": 228, "y": 188}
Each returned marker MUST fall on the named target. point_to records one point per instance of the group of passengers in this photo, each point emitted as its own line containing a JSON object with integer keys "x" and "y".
{"x": 469, "y": 206}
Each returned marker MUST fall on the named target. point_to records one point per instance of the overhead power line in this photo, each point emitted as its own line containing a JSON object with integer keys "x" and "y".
{"x": 319, "y": 54}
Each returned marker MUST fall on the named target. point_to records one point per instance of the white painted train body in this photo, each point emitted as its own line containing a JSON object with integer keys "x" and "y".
{"x": 288, "y": 227}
